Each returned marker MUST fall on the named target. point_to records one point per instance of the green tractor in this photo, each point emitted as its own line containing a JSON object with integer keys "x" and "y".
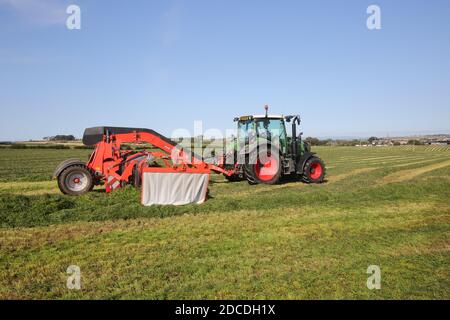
{"x": 264, "y": 152}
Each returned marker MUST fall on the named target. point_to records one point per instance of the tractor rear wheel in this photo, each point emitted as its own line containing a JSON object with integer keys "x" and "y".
{"x": 76, "y": 180}
{"x": 314, "y": 170}
{"x": 267, "y": 169}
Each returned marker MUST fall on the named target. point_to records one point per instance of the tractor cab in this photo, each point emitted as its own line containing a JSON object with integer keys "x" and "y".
{"x": 275, "y": 130}
{"x": 257, "y": 128}
{"x": 285, "y": 151}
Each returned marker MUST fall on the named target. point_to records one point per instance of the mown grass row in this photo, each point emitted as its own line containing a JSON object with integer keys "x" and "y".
{"x": 349, "y": 183}
{"x": 297, "y": 253}
{"x": 289, "y": 241}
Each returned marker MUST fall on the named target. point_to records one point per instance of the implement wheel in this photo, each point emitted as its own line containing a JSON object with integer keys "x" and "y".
{"x": 76, "y": 180}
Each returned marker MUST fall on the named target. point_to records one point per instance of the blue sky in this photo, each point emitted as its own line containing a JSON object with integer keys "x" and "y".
{"x": 165, "y": 64}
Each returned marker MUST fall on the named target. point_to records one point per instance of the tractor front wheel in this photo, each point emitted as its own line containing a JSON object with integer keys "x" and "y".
{"x": 75, "y": 180}
{"x": 314, "y": 170}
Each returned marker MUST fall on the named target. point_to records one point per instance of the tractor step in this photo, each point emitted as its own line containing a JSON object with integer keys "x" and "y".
{"x": 288, "y": 166}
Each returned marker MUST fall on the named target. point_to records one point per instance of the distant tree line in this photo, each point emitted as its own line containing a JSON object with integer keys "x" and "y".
{"x": 330, "y": 142}
{"x": 37, "y": 146}
{"x": 354, "y": 142}
{"x": 60, "y": 137}
{"x": 415, "y": 142}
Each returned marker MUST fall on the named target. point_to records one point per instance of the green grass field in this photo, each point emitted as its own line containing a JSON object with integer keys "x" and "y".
{"x": 380, "y": 206}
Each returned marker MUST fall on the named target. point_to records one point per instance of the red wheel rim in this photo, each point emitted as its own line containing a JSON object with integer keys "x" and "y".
{"x": 316, "y": 171}
{"x": 268, "y": 170}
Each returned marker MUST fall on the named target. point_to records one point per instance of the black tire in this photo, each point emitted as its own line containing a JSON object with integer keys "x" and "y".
{"x": 248, "y": 171}
{"x": 311, "y": 173}
{"x": 251, "y": 170}
{"x": 233, "y": 178}
{"x": 76, "y": 180}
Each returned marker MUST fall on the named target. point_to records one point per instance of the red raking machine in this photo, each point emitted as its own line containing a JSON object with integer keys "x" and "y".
{"x": 166, "y": 173}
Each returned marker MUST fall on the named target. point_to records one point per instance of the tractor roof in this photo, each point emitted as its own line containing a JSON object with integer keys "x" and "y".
{"x": 271, "y": 116}
{"x": 247, "y": 118}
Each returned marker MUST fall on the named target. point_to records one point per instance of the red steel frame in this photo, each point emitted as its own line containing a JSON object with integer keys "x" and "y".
{"x": 115, "y": 166}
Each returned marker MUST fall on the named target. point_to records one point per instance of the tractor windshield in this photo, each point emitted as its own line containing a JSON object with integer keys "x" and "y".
{"x": 269, "y": 128}
{"x": 245, "y": 128}
{"x": 260, "y": 129}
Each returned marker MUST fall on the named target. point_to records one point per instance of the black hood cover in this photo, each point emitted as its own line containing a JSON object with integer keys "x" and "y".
{"x": 94, "y": 135}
